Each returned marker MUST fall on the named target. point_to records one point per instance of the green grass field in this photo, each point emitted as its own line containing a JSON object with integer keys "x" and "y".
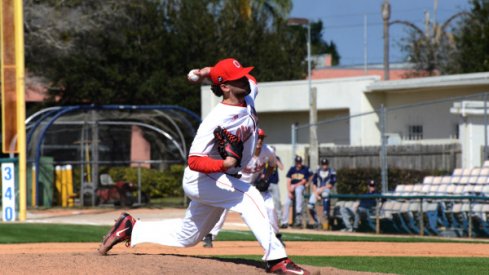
{"x": 27, "y": 233}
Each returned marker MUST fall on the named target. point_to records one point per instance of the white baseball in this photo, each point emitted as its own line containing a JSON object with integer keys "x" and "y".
{"x": 192, "y": 76}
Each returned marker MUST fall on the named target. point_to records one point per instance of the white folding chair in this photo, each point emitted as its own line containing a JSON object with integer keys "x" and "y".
{"x": 437, "y": 180}
{"x": 457, "y": 172}
{"x": 442, "y": 190}
{"x": 466, "y": 172}
{"x": 481, "y": 180}
{"x": 451, "y": 189}
{"x": 473, "y": 179}
{"x": 477, "y": 189}
{"x": 484, "y": 171}
{"x": 399, "y": 190}
{"x": 475, "y": 172}
{"x": 426, "y": 188}
{"x": 485, "y": 190}
{"x": 453, "y": 179}
{"x": 428, "y": 180}
{"x": 464, "y": 180}
{"x": 417, "y": 188}
{"x": 408, "y": 189}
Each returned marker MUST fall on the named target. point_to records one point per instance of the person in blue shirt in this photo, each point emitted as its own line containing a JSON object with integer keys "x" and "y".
{"x": 365, "y": 206}
{"x": 297, "y": 178}
{"x": 361, "y": 213}
{"x": 322, "y": 182}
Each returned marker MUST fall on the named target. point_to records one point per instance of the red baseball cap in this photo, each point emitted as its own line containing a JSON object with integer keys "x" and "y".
{"x": 261, "y": 133}
{"x": 227, "y": 70}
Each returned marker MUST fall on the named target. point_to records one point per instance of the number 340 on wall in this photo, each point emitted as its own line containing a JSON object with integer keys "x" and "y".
{"x": 8, "y": 192}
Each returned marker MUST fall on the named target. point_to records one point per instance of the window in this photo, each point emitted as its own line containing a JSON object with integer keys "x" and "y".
{"x": 415, "y": 132}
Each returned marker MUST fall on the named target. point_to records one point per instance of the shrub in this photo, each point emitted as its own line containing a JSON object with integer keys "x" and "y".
{"x": 354, "y": 181}
{"x": 156, "y": 184}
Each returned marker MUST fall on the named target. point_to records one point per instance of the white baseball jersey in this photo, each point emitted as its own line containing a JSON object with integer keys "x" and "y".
{"x": 211, "y": 193}
{"x": 258, "y": 163}
{"x": 240, "y": 121}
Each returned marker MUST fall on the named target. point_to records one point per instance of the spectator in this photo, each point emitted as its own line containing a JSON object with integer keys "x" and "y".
{"x": 274, "y": 188}
{"x": 323, "y": 181}
{"x": 362, "y": 211}
{"x": 366, "y": 206}
{"x": 297, "y": 178}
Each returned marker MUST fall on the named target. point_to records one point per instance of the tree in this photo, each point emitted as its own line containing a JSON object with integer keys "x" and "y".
{"x": 320, "y": 46}
{"x": 138, "y": 52}
{"x": 472, "y": 41}
{"x": 431, "y": 49}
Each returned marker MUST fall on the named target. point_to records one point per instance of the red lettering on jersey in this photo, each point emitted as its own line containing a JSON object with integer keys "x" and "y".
{"x": 244, "y": 133}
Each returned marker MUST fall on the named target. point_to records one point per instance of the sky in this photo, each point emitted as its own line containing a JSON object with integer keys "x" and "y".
{"x": 344, "y": 24}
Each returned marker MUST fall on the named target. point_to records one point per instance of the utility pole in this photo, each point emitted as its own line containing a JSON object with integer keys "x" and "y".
{"x": 386, "y": 14}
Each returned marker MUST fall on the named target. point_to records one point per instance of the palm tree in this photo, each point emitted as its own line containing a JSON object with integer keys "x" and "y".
{"x": 430, "y": 48}
{"x": 274, "y": 8}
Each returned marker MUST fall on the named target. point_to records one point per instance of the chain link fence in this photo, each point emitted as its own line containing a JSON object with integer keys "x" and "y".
{"x": 400, "y": 147}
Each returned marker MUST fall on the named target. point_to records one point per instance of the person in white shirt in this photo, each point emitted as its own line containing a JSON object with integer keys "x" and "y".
{"x": 210, "y": 181}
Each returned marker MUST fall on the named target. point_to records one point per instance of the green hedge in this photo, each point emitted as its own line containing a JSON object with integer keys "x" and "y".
{"x": 157, "y": 184}
{"x": 354, "y": 181}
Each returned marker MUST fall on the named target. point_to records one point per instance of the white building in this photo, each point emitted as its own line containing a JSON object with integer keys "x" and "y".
{"x": 409, "y": 119}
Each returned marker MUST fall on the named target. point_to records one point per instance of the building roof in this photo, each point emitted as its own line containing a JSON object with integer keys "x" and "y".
{"x": 433, "y": 83}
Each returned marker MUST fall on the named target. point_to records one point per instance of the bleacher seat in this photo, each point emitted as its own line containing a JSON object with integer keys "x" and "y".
{"x": 484, "y": 172}
{"x": 485, "y": 190}
{"x": 477, "y": 189}
{"x": 408, "y": 189}
{"x": 485, "y": 211}
{"x": 473, "y": 179}
{"x": 466, "y": 172}
{"x": 447, "y": 179}
{"x": 386, "y": 209}
{"x": 442, "y": 190}
{"x": 426, "y": 188}
{"x": 459, "y": 190}
{"x": 453, "y": 179}
{"x": 457, "y": 172}
{"x": 434, "y": 189}
{"x": 477, "y": 211}
{"x": 399, "y": 189}
{"x": 438, "y": 180}
{"x": 450, "y": 189}
{"x": 481, "y": 180}
{"x": 469, "y": 189}
{"x": 428, "y": 180}
{"x": 486, "y": 163}
{"x": 464, "y": 180}
{"x": 475, "y": 172}
{"x": 417, "y": 188}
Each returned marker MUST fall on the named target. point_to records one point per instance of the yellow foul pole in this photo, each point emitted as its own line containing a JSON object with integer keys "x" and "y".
{"x": 13, "y": 90}
{"x": 21, "y": 135}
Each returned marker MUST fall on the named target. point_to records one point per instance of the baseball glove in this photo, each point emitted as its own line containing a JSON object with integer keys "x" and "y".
{"x": 228, "y": 145}
{"x": 262, "y": 184}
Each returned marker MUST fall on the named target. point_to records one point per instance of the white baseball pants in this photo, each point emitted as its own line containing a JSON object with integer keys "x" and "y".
{"x": 210, "y": 195}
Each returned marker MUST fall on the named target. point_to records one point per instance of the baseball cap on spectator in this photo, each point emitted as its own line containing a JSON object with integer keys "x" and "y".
{"x": 261, "y": 132}
{"x": 298, "y": 159}
{"x": 324, "y": 162}
{"x": 371, "y": 183}
{"x": 228, "y": 69}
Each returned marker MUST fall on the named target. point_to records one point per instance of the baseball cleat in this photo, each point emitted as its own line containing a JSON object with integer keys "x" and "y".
{"x": 208, "y": 241}
{"x": 287, "y": 267}
{"x": 120, "y": 232}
